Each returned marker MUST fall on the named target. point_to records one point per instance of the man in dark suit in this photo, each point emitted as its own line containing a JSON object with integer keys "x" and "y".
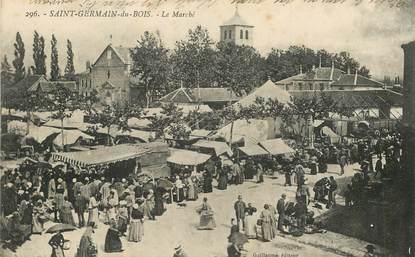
{"x": 281, "y": 211}
{"x": 240, "y": 207}
{"x": 80, "y": 207}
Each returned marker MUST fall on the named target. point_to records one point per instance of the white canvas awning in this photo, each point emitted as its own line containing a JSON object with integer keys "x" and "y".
{"x": 218, "y": 147}
{"x": 70, "y": 137}
{"x": 276, "y": 146}
{"x": 186, "y": 157}
{"x": 253, "y": 150}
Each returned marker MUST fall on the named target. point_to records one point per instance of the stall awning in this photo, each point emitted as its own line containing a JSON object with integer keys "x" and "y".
{"x": 218, "y": 147}
{"x": 276, "y": 146}
{"x": 140, "y": 134}
{"x": 201, "y": 133}
{"x": 41, "y": 133}
{"x": 101, "y": 156}
{"x": 186, "y": 157}
{"x": 70, "y": 137}
{"x": 253, "y": 150}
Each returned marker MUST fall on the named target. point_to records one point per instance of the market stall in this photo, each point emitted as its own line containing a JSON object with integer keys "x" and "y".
{"x": 252, "y": 150}
{"x": 213, "y": 147}
{"x": 276, "y": 146}
{"x": 186, "y": 157}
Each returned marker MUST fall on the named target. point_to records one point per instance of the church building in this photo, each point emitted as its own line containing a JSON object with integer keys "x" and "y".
{"x": 237, "y": 30}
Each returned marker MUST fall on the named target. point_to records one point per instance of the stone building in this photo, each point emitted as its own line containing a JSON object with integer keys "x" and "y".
{"x": 237, "y": 30}
{"x": 110, "y": 76}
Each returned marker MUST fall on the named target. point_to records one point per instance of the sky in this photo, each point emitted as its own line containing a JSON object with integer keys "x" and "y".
{"x": 372, "y": 33}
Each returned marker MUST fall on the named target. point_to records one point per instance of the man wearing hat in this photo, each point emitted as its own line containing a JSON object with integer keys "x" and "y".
{"x": 178, "y": 251}
{"x": 240, "y": 207}
{"x": 80, "y": 206}
{"x": 370, "y": 251}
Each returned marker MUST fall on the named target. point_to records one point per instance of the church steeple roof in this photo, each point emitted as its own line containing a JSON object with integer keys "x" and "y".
{"x": 236, "y": 20}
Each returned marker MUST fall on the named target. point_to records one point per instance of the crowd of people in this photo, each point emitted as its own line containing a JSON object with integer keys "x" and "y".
{"x": 37, "y": 191}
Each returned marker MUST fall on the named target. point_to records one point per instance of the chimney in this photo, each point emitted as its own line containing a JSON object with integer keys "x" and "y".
{"x": 332, "y": 70}
{"x": 355, "y": 78}
{"x": 301, "y": 69}
{"x": 88, "y": 65}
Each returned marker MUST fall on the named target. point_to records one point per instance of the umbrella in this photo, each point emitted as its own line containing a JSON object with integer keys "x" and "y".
{"x": 61, "y": 228}
{"x": 164, "y": 183}
{"x": 238, "y": 238}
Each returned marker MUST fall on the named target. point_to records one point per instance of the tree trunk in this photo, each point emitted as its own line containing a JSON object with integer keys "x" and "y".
{"x": 27, "y": 122}
{"x": 230, "y": 137}
{"x": 109, "y": 136}
{"x": 63, "y": 141}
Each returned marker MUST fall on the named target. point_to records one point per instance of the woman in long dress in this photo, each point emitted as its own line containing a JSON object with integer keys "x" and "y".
{"x": 179, "y": 189}
{"x": 223, "y": 178}
{"x": 266, "y": 217}
{"x": 59, "y": 200}
{"x": 191, "y": 189}
{"x": 149, "y": 205}
{"x": 136, "y": 229}
{"x": 123, "y": 217}
{"x": 112, "y": 205}
{"x": 158, "y": 201}
{"x": 56, "y": 242}
{"x": 93, "y": 211}
{"x": 250, "y": 225}
{"x": 66, "y": 213}
{"x": 207, "y": 221}
{"x": 112, "y": 239}
{"x": 38, "y": 218}
{"x": 87, "y": 246}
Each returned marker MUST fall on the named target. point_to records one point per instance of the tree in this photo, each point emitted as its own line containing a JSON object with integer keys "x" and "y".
{"x": 239, "y": 67}
{"x": 18, "y": 62}
{"x": 114, "y": 115}
{"x": 69, "y": 68}
{"x": 170, "y": 122}
{"x": 151, "y": 65}
{"x": 192, "y": 60}
{"x": 39, "y": 57}
{"x": 7, "y": 79}
{"x": 54, "y": 60}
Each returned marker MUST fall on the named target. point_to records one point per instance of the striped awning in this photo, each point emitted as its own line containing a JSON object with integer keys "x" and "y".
{"x": 101, "y": 156}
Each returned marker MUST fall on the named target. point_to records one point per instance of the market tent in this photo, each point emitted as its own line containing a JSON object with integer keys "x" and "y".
{"x": 186, "y": 157}
{"x": 39, "y": 134}
{"x": 334, "y": 138}
{"x": 101, "y": 156}
{"x": 250, "y": 132}
{"x": 140, "y": 134}
{"x": 268, "y": 91}
{"x": 218, "y": 147}
{"x": 70, "y": 137}
{"x": 253, "y": 150}
{"x": 276, "y": 146}
{"x": 200, "y": 133}
{"x": 138, "y": 123}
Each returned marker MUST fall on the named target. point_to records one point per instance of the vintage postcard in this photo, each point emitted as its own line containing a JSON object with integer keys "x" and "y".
{"x": 207, "y": 128}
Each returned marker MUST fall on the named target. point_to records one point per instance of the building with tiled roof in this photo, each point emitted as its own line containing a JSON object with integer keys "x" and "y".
{"x": 214, "y": 97}
{"x": 237, "y": 30}
{"x": 327, "y": 78}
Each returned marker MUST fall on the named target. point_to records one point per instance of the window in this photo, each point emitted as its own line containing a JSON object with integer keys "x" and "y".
{"x": 230, "y": 34}
{"x": 321, "y": 86}
{"x": 300, "y": 86}
{"x": 246, "y": 34}
{"x": 241, "y": 34}
{"x": 108, "y": 73}
{"x": 311, "y": 86}
{"x": 109, "y": 55}
{"x": 226, "y": 33}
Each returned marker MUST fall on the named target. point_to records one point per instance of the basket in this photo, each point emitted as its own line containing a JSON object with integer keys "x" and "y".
{"x": 67, "y": 245}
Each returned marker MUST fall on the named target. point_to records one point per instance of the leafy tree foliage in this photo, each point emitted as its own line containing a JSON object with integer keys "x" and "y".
{"x": 170, "y": 122}
{"x": 54, "y": 60}
{"x": 192, "y": 60}
{"x": 239, "y": 67}
{"x": 39, "y": 56}
{"x": 18, "y": 62}
{"x": 69, "y": 68}
{"x": 151, "y": 65}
